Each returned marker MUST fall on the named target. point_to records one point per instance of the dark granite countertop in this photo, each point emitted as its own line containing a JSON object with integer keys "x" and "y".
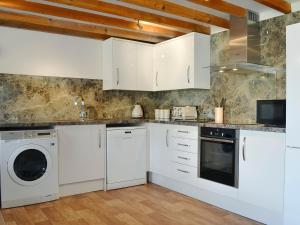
{"x": 255, "y": 127}
{"x": 49, "y": 124}
{"x": 46, "y": 124}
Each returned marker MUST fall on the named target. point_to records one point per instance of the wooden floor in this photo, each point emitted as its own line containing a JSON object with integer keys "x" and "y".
{"x": 141, "y": 205}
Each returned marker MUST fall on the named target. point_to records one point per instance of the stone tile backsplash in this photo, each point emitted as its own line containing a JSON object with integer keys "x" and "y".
{"x": 24, "y": 97}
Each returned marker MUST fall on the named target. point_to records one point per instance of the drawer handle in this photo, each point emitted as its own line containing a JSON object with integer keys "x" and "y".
{"x": 183, "y": 131}
{"x": 180, "y": 157}
{"x": 182, "y": 171}
{"x": 127, "y": 132}
{"x": 184, "y": 145}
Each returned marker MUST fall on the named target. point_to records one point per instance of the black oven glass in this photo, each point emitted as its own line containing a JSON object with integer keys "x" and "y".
{"x": 217, "y": 162}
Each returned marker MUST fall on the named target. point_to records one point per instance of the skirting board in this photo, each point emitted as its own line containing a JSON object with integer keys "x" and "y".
{"x": 81, "y": 187}
{"x": 111, "y": 186}
{"x": 233, "y": 205}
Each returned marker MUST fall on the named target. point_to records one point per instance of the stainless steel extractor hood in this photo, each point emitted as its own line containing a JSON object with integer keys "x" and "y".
{"x": 245, "y": 47}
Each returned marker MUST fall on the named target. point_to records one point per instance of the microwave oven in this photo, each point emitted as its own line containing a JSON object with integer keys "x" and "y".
{"x": 271, "y": 112}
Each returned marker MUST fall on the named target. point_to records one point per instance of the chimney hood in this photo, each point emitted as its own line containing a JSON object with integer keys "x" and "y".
{"x": 245, "y": 47}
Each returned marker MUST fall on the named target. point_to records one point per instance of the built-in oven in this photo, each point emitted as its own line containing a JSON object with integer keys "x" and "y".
{"x": 219, "y": 155}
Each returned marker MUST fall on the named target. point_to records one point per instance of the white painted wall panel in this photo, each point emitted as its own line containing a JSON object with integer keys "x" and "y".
{"x": 37, "y": 53}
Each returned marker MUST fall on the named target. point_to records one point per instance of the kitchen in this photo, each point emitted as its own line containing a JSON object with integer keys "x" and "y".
{"x": 94, "y": 128}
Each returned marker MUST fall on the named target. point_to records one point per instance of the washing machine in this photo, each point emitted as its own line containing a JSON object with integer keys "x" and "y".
{"x": 29, "y": 167}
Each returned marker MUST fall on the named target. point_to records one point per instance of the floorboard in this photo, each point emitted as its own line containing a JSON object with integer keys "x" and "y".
{"x": 140, "y": 205}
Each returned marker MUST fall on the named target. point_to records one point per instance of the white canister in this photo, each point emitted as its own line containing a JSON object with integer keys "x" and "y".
{"x": 161, "y": 114}
{"x": 166, "y": 114}
{"x": 219, "y": 115}
{"x": 157, "y": 114}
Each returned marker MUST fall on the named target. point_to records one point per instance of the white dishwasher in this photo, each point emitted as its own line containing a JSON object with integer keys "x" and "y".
{"x": 126, "y": 156}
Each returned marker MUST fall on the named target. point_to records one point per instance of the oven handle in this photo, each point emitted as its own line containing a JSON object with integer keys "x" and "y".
{"x": 217, "y": 140}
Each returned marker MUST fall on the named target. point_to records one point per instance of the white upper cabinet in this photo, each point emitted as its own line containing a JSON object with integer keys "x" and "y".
{"x": 261, "y": 169}
{"x": 124, "y": 64}
{"x": 127, "y": 65}
{"x": 182, "y": 63}
{"x": 179, "y": 63}
{"x": 144, "y": 67}
{"x": 31, "y": 53}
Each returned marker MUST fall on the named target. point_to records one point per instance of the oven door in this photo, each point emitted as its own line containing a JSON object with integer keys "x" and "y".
{"x": 218, "y": 160}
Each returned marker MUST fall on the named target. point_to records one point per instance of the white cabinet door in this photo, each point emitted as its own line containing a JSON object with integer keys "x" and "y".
{"x": 159, "y": 153}
{"x": 292, "y": 187}
{"x": 293, "y": 81}
{"x": 81, "y": 153}
{"x": 164, "y": 68}
{"x": 261, "y": 169}
{"x": 125, "y": 64}
{"x": 183, "y": 56}
{"x": 144, "y": 67}
{"x": 126, "y": 154}
{"x": 182, "y": 63}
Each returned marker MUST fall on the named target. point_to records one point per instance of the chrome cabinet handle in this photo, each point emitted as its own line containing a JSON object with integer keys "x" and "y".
{"x": 100, "y": 139}
{"x": 244, "y": 148}
{"x": 184, "y": 158}
{"x": 118, "y": 76}
{"x": 184, "y": 145}
{"x": 183, "y": 131}
{"x": 183, "y": 171}
{"x": 167, "y": 138}
{"x": 156, "y": 82}
{"x": 188, "y": 73}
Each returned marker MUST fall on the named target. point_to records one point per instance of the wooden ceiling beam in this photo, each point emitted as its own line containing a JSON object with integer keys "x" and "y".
{"x": 123, "y": 11}
{"x": 46, "y": 24}
{"x": 86, "y": 17}
{"x": 179, "y": 10}
{"x": 222, "y": 6}
{"x": 279, "y": 5}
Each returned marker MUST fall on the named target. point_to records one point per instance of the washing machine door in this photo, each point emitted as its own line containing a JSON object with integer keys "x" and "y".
{"x": 29, "y": 165}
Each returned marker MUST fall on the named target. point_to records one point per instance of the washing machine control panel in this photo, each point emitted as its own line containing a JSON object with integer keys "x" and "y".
{"x": 27, "y": 134}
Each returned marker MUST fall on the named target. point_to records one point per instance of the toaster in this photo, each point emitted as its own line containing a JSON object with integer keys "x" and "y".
{"x": 184, "y": 113}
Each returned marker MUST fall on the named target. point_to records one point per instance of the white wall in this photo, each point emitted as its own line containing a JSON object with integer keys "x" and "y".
{"x": 37, "y": 53}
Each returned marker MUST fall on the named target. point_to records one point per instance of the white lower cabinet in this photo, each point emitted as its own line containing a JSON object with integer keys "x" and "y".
{"x": 183, "y": 173}
{"x": 172, "y": 156}
{"x": 185, "y": 158}
{"x": 261, "y": 170}
{"x": 159, "y": 152}
{"x": 81, "y": 157}
{"x": 174, "y": 161}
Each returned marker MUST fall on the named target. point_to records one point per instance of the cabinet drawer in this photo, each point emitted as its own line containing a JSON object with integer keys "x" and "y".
{"x": 187, "y": 145}
{"x": 184, "y": 132}
{"x": 184, "y": 173}
{"x": 186, "y": 158}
